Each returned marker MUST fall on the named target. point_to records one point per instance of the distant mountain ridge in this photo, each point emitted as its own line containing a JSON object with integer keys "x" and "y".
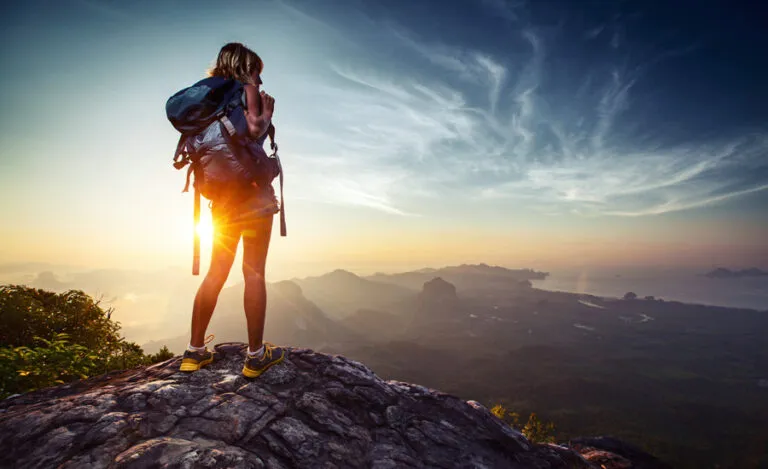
{"x": 464, "y": 277}
{"x": 340, "y": 293}
{"x": 291, "y": 319}
{"x": 721, "y": 272}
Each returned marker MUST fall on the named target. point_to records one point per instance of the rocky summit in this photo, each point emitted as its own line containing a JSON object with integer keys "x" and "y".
{"x": 312, "y": 411}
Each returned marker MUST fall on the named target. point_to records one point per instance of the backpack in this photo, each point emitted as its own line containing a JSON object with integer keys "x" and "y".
{"x": 215, "y": 143}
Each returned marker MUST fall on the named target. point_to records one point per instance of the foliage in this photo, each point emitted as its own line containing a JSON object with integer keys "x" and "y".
{"x": 512, "y": 418}
{"x": 539, "y": 431}
{"x": 49, "y": 338}
{"x": 162, "y": 355}
{"x": 56, "y": 361}
{"x": 534, "y": 429}
{"x": 26, "y": 313}
{"x": 630, "y": 295}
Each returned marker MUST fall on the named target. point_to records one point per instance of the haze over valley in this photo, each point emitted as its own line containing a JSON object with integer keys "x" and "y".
{"x": 643, "y": 367}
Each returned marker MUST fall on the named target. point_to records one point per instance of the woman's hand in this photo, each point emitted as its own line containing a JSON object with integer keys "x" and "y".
{"x": 267, "y": 104}
{"x": 260, "y": 107}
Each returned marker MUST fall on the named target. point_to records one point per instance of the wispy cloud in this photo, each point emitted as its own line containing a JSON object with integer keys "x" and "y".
{"x": 105, "y": 9}
{"x": 506, "y": 126}
{"x": 507, "y": 9}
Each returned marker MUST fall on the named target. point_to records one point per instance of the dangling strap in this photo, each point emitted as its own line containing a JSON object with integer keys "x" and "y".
{"x": 180, "y": 152}
{"x": 195, "y": 168}
{"x": 283, "y": 228}
{"x": 181, "y": 156}
{"x": 190, "y": 170}
{"x": 196, "y": 241}
{"x": 273, "y": 145}
{"x": 271, "y": 135}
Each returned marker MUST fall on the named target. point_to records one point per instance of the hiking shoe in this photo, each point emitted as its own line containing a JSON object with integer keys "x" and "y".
{"x": 255, "y": 366}
{"x": 194, "y": 360}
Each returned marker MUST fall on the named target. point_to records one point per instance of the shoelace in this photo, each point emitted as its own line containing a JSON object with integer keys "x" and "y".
{"x": 205, "y": 342}
{"x": 268, "y": 350}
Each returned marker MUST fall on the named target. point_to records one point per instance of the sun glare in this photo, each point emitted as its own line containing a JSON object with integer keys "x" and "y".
{"x": 204, "y": 229}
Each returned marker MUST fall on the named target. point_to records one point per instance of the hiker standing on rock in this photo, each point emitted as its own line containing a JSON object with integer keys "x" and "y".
{"x": 239, "y": 187}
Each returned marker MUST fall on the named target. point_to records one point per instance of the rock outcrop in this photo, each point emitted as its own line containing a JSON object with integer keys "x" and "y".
{"x": 313, "y": 411}
{"x": 438, "y": 290}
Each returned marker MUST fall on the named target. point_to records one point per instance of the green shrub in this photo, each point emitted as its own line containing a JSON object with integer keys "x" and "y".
{"x": 56, "y": 361}
{"x": 51, "y": 338}
{"x": 534, "y": 429}
{"x": 162, "y": 355}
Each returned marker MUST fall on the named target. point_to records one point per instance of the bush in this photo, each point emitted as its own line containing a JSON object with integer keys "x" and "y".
{"x": 534, "y": 429}
{"x": 161, "y": 356}
{"x": 26, "y": 313}
{"x": 51, "y": 338}
{"x": 538, "y": 431}
{"x": 56, "y": 361}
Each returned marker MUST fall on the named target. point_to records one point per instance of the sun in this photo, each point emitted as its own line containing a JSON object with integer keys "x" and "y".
{"x": 204, "y": 230}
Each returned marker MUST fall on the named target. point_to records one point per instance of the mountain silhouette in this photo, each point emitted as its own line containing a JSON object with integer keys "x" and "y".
{"x": 341, "y": 293}
{"x": 465, "y": 277}
{"x": 721, "y": 272}
{"x": 291, "y": 319}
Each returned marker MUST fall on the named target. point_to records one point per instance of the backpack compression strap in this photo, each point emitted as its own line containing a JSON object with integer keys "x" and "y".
{"x": 283, "y": 228}
{"x": 273, "y": 145}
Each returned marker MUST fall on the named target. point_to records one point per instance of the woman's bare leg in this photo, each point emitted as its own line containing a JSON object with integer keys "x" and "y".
{"x": 225, "y": 241}
{"x": 255, "y": 248}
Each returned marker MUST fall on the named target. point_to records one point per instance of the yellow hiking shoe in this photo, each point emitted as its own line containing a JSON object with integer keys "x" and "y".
{"x": 255, "y": 366}
{"x": 194, "y": 360}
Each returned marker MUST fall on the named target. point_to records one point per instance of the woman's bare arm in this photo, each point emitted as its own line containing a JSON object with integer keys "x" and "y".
{"x": 258, "y": 122}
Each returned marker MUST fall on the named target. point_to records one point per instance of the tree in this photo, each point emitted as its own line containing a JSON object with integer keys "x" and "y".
{"x": 630, "y": 296}
{"x": 26, "y": 313}
{"x": 53, "y": 338}
{"x": 162, "y": 355}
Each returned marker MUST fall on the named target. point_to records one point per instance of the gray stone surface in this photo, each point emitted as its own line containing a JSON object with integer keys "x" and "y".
{"x": 313, "y": 411}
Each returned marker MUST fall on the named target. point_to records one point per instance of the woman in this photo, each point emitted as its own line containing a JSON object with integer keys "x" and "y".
{"x": 240, "y": 215}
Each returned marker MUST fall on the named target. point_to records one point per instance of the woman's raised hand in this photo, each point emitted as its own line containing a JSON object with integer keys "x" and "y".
{"x": 267, "y": 104}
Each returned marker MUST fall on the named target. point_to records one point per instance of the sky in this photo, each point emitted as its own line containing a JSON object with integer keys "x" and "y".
{"x": 412, "y": 134}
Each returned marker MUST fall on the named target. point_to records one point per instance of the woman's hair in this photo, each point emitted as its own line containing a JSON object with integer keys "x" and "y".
{"x": 238, "y": 62}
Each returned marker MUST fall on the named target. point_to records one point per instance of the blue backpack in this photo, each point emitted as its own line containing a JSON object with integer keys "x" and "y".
{"x": 215, "y": 143}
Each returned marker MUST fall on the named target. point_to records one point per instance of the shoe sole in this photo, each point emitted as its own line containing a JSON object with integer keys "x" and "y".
{"x": 195, "y": 366}
{"x": 249, "y": 373}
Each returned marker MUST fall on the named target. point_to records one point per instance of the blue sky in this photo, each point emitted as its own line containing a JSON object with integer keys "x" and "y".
{"x": 526, "y": 134}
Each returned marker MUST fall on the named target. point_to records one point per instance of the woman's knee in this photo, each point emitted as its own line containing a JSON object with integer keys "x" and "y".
{"x": 251, "y": 275}
{"x": 216, "y": 278}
